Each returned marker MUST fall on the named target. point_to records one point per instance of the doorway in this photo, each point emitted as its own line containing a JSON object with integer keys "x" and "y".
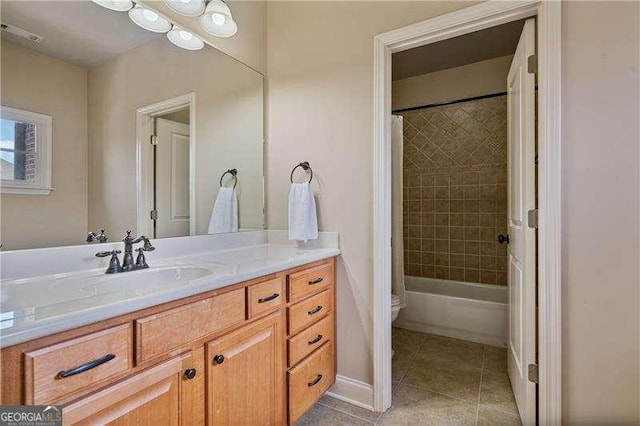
{"x": 452, "y": 240}
{"x": 445, "y": 27}
{"x": 171, "y": 215}
{"x": 166, "y": 168}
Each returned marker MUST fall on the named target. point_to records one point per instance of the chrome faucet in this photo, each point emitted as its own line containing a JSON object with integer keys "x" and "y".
{"x": 127, "y": 259}
{"x": 93, "y": 237}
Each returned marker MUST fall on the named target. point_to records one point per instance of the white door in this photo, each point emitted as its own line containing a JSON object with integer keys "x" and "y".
{"x": 522, "y": 246}
{"x": 172, "y": 179}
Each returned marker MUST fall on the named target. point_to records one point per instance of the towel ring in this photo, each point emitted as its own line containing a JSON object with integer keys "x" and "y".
{"x": 232, "y": 172}
{"x": 305, "y": 165}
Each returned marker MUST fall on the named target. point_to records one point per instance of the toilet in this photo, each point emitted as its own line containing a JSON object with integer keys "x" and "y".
{"x": 395, "y": 310}
{"x": 395, "y": 307}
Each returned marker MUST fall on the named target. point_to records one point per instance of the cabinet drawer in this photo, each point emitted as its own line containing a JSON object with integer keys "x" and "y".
{"x": 309, "y": 380}
{"x": 58, "y": 371}
{"x": 151, "y": 397}
{"x": 266, "y": 296}
{"x": 310, "y": 281}
{"x": 307, "y": 312}
{"x": 160, "y": 333}
{"x": 310, "y": 339}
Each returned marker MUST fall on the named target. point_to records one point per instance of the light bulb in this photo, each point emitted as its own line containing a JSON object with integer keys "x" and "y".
{"x": 185, "y": 35}
{"x": 150, "y": 15}
{"x": 185, "y": 1}
{"x": 218, "y": 18}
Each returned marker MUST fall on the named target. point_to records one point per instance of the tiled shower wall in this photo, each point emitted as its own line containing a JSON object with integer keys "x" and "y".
{"x": 455, "y": 191}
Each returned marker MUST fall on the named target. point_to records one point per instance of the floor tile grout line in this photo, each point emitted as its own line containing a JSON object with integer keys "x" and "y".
{"x": 480, "y": 386}
{"x": 347, "y": 413}
{"x": 441, "y": 394}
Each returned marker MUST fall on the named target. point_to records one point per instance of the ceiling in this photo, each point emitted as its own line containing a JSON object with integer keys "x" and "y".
{"x": 466, "y": 49}
{"x": 78, "y": 32}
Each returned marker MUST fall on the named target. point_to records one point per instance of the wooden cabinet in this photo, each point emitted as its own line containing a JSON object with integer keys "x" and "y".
{"x": 149, "y": 397}
{"x": 61, "y": 370}
{"x": 259, "y": 352}
{"x": 310, "y": 379}
{"x": 310, "y": 341}
{"x": 160, "y": 333}
{"x": 245, "y": 382}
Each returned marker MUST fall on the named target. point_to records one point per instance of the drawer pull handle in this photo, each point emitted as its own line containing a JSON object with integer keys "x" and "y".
{"x": 190, "y": 373}
{"x": 268, "y": 298}
{"x": 316, "y": 281}
{"x": 218, "y": 359}
{"x": 316, "y": 340}
{"x": 315, "y": 381}
{"x": 315, "y": 310}
{"x": 85, "y": 367}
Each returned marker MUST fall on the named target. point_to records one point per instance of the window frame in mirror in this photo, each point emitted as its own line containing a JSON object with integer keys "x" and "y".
{"x": 44, "y": 135}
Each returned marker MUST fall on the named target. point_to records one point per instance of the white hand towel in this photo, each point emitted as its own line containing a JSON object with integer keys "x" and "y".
{"x": 224, "y": 217}
{"x": 303, "y": 221}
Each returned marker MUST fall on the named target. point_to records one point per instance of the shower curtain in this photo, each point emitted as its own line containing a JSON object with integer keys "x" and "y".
{"x": 397, "y": 245}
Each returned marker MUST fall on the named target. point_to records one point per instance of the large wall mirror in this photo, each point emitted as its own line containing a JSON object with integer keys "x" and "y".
{"x": 105, "y": 125}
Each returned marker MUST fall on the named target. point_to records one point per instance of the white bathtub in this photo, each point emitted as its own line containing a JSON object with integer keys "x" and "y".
{"x": 475, "y": 312}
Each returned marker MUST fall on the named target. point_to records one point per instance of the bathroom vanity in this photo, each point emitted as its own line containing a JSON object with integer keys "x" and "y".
{"x": 257, "y": 351}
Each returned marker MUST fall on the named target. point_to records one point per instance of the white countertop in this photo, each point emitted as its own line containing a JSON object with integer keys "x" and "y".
{"x": 41, "y": 305}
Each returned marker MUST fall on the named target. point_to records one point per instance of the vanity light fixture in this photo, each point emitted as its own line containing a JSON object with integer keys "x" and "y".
{"x": 217, "y": 19}
{"x": 186, "y": 7}
{"x": 184, "y": 39}
{"x": 117, "y": 5}
{"x": 149, "y": 19}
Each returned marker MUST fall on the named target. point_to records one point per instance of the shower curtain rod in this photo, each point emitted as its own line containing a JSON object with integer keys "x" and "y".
{"x": 475, "y": 98}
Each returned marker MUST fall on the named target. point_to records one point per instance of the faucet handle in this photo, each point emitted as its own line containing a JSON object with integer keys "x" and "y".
{"x": 141, "y": 262}
{"x": 114, "y": 263}
{"x": 147, "y": 244}
{"x": 108, "y": 253}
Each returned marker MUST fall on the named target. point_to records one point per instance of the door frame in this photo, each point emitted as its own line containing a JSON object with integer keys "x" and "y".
{"x": 144, "y": 170}
{"x": 474, "y": 18}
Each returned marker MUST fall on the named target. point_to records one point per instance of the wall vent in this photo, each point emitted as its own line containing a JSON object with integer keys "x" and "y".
{"x": 19, "y": 32}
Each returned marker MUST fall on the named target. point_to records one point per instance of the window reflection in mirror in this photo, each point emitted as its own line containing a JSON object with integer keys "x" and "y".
{"x": 17, "y": 150}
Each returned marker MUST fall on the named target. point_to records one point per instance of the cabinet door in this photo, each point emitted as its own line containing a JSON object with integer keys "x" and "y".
{"x": 245, "y": 375}
{"x": 150, "y": 397}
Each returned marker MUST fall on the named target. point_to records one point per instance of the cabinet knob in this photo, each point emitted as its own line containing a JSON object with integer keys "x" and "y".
{"x": 218, "y": 359}
{"x": 190, "y": 373}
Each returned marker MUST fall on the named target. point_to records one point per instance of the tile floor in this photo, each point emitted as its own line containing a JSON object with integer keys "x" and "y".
{"x": 436, "y": 381}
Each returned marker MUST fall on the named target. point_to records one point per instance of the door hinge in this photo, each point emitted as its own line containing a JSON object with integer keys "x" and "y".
{"x": 153, "y": 214}
{"x": 532, "y": 217}
{"x": 532, "y": 64}
{"x": 153, "y": 140}
{"x": 532, "y": 373}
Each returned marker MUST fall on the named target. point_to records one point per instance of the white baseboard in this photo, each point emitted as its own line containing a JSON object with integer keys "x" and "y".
{"x": 352, "y": 391}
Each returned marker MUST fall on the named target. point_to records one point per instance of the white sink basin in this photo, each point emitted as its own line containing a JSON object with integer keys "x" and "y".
{"x": 58, "y": 290}
{"x": 146, "y": 279}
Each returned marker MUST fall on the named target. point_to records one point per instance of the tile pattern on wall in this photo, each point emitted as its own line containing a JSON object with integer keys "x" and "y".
{"x": 455, "y": 191}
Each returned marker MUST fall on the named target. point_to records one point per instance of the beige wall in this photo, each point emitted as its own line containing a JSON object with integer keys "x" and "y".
{"x": 247, "y": 45}
{"x": 229, "y": 104}
{"x": 42, "y": 84}
{"x": 477, "y": 79}
{"x": 320, "y": 109}
{"x": 600, "y": 233}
